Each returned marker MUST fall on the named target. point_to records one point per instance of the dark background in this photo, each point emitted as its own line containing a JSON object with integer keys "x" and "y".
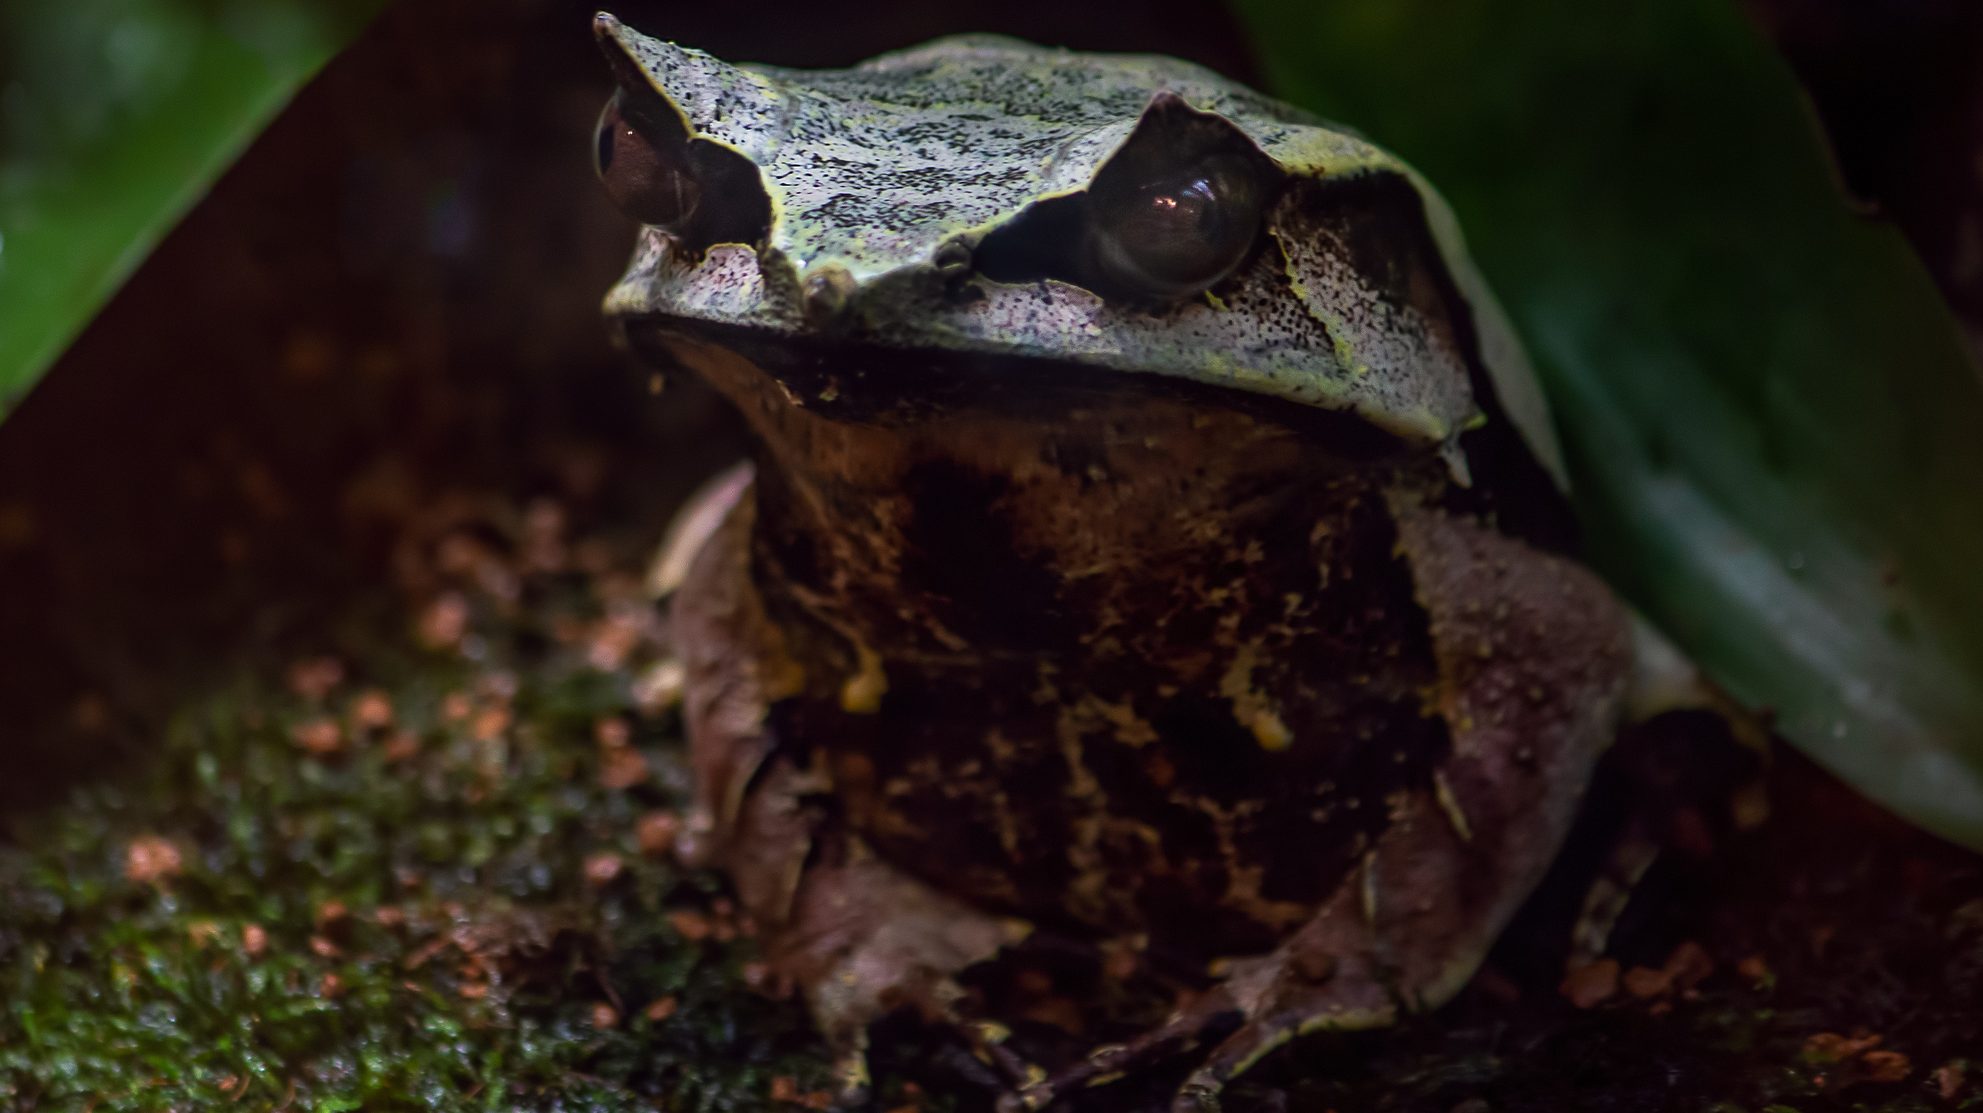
{"x": 391, "y": 302}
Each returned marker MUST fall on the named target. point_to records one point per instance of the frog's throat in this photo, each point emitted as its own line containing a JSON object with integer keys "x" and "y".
{"x": 973, "y": 532}
{"x": 1095, "y": 601}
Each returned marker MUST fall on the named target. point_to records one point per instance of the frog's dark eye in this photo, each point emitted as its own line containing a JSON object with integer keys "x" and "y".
{"x": 1179, "y": 234}
{"x": 1174, "y": 212}
{"x": 643, "y": 181}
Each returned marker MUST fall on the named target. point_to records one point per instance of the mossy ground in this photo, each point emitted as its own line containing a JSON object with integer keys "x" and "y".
{"x": 434, "y": 874}
{"x": 415, "y": 881}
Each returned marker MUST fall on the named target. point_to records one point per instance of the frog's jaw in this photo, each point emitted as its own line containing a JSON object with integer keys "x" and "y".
{"x": 849, "y": 380}
{"x": 1256, "y": 339}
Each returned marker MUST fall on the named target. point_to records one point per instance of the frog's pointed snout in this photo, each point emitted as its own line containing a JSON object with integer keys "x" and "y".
{"x": 733, "y": 105}
{"x": 614, "y": 38}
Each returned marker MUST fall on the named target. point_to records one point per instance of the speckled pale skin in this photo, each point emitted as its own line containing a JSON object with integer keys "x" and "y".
{"x": 1233, "y": 626}
{"x": 872, "y": 171}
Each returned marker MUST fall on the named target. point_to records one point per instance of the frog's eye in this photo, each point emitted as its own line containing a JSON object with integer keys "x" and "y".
{"x": 1180, "y": 233}
{"x": 643, "y": 181}
{"x": 1175, "y": 211}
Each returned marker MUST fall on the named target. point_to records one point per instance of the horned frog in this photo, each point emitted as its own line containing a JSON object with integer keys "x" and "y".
{"x": 1153, "y": 534}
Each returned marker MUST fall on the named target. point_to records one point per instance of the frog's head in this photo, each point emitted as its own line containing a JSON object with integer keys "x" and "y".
{"x": 982, "y": 197}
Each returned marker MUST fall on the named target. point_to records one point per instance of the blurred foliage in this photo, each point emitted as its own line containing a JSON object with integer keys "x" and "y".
{"x": 115, "y": 116}
{"x": 1771, "y": 418}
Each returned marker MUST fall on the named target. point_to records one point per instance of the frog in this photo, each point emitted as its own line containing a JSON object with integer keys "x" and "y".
{"x": 1153, "y": 534}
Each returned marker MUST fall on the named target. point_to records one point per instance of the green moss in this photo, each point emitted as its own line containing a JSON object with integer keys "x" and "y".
{"x": 424, "y": 933}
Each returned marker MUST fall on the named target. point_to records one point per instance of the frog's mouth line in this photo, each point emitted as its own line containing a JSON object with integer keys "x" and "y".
{"x": 862, "y": 382}
{"x": 858, "y": 381}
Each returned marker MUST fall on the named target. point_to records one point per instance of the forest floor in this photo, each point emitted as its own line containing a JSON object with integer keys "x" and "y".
{"x": 436, "y": 873}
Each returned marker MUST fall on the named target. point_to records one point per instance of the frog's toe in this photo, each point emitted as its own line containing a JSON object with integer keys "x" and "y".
{"x": 1197, "y": 1095}
{"x": 1105, "y": 1064}
{"x": 852, "y": 1082}
{"x": 986, "y": 1042}
{"x": 1200, "y": 1092}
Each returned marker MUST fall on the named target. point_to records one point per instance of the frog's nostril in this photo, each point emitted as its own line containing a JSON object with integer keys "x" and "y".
{"x": 952, "y": 257}
{"x": 828, "y": 292}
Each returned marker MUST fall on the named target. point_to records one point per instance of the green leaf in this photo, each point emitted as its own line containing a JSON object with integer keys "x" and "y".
{"x": 116, "y": 116}
{"x": 1773, "y": 426}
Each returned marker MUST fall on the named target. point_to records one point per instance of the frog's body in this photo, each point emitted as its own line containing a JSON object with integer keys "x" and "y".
{"x": 1063, "y": 596}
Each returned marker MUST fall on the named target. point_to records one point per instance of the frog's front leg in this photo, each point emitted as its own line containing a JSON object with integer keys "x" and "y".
{"x": 1533, "y": 654}
{"x": 858, "y": 936}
